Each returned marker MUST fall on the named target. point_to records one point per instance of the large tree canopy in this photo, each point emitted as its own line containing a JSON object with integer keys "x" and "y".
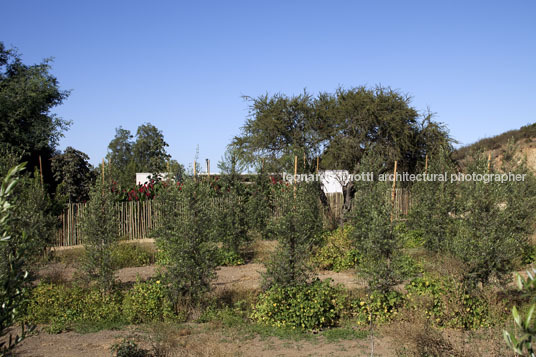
{"x": 74, "y": 174}
{"x": 27, "y": 95}
{"x": 147, "y": 153}
{"x": 337, "y": 127}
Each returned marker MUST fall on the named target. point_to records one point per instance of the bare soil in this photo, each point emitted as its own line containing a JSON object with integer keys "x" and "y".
{"x": 196, "y": 340}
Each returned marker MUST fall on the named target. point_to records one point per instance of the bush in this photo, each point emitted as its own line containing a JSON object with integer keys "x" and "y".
{"x": 128, "y": 348}
{"x": 61, "y": 306}
{"x": 147, "y": 302}
{"x": 98, "y": 224}
{"x": 186, "y": 240}
{"x": 377, "y": 306}
{"x": 447, "y": 304}
{"x": 296, "y": 229}
{"x": 226, "y": 257}
{"x": 130, "y": 255}
{"x": 337, "y": 252}
{"x": 305, "y": 306}
{"x": 374, "y": 230}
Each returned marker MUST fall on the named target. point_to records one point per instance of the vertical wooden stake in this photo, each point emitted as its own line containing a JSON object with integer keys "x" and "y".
{"x": 304, "y": 161}
{"x": 295, "y": 173}
{"x": 393, "y": 193}
{"x": 103, "y": 172}
{"x": 426, "y": 164}
{"x": 194, "y": 169}
{"x": 317, "y": 163}
{"x": 41, "y": 170}
{"x": 208, "y": 168}
{"x": 262, "y": 165}
{"x": 489, "y": 161}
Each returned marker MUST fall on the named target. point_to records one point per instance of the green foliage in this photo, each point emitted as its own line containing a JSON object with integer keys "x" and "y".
{"x": 346, "y": 123}
{"x": 62, "y": 306}
{"x": 296, "y": 229}
{"x": 259, "y": 205}
{"x": 186, "y": 239}
{"x": 374, "y": 234}
{"x": 495, "y": 223}
{"x": 377, "y": 306}
{"x": 523, "y": 338}
{"x": 308, "y": 306}
{"x": 147, "y": 302}
{"x": 435, "y": 204}
{"x": 446, "y": 303}
{"x": 149, "y": 150}
{"x": 73, "y": 173}
{"x": 34, "y": 217}
{"x": 100, "y": 230}
{"x": 337, "y": 252}
{"x": 13, "y": 276}
{"x": 130, "y": 255}
{"x": 28, "y": 93}
{"x": 232, "y": 216}
{"x": 128, "y": 348}
{"x": 226, "y": 257}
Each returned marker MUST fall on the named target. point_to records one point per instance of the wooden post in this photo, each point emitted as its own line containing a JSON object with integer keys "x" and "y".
{"x": 208, "y": 168}
{"x": 304, "y": 161}
{"x": 103, "y": 172}
{"x": 393, "y": 193}
{"x": 194, "y": 169}
{"x": 295, "y": 173}
{"x": 41, "y": 170}
{"x": 489, "y": 161}
{"x": 426, "y": 164}
{"x": 262, "y": 165}
{"x": 317, "y": 163}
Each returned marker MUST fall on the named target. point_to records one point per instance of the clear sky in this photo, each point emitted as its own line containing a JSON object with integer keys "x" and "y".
{"x": 185, "y": 65}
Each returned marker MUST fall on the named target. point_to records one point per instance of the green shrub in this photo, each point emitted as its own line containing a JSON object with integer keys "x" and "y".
{"x": 337, "y": 252}
{"x": 297, "y": 230}
{"x": 377, "y": 306}
{"x": 305, "y": 306}
{"x": 130, "y": 255}
{"x": 128, "y": 348}
{"x": 226, "y": 257}
{"x": 147, "y": 302}
{"x": 60, "y": 306}
{"x": 186, "y": 240}
{"x": 447, "y": 303}
{"x": 98, "y": 224}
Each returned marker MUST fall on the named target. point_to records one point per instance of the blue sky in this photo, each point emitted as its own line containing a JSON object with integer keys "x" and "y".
{"x": 184, "y": 66}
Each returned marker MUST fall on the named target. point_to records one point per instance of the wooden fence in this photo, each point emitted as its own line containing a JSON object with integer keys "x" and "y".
{"x": 137, "y": 219}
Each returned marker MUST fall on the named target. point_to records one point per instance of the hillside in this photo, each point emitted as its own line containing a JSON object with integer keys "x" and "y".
{"x": 524, "y": 139}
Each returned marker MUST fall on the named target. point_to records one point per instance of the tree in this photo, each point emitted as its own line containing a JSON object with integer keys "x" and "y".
{"x": 149, "y": 150}
{"x": 73, "y": 173}
{"x": 28, "y": 93}
{"x": 185, "y": 236}
{"x": 339, "y": 128}
{"x": 495, "y": 220}
{"x": 374, "y": 235}
{"x": 120, "y": 158}
{"x": 434, "y": 203}
{"x": 13, "y": 276}
{"x": 298, "y": 226}
{"x": 232, "y": 222}
{"x": 100, "y": 229}
{"x": 259, "y": 205}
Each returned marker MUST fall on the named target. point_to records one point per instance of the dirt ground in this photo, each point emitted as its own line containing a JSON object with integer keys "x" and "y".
{"x": 247, "y": 276}
{"x": 194, "y": 341}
